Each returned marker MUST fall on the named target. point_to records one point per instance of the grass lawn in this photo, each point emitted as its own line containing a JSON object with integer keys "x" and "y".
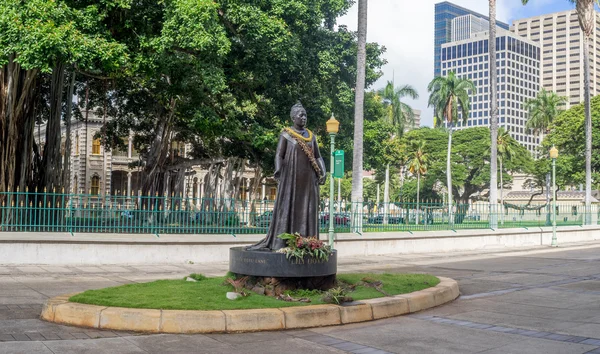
{"x": 209, "y": 294}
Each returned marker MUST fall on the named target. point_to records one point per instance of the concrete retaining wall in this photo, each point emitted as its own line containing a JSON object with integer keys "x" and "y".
{"x": 55, "y": 248}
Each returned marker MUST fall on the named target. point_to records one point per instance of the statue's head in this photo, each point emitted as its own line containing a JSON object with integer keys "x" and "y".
{"x": 298, "y": 115}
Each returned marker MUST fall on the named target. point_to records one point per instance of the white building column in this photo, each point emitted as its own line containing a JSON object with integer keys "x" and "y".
{"x": 248, "y": 189}
{"x": 128, "y": 185}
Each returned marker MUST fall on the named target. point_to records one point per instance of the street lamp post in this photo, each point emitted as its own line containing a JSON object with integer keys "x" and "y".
{"x": 332, "y": 128}
{"x": 553, "y": 156}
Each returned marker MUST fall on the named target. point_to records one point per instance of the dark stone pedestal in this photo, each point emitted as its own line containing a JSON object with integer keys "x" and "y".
{"x": 273, "y": 264}
{"x": 275, "y": 274}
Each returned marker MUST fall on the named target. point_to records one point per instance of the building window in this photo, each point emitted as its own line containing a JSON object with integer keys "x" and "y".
{"x": 77, "y": 144}
{"x": 96, "y": 147}
{"x": 95, "y": 190}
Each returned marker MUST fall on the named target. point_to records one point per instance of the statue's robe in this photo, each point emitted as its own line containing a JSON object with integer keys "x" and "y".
{"x": 296, "y": 208}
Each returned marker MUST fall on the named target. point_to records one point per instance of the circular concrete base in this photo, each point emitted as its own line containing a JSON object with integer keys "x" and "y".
{"x": 274, "y": 264}
{"x": 60, "y": 310}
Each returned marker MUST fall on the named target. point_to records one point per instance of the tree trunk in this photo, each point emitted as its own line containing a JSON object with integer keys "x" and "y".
{"x": 52, "y": 159}
{"x": 386, "y": 195}
{"x": 357, "y": 161}
{"x": 418, "y": 189}
{"x": 158, "y": 152}
{"x": 588, "y": 131}
{"x": 17, "y": 88}
{"x": 66, "y": 177}
{"x": 449, "y": 176}
{"x": 587, "y": 21}
{"x": 501, "y": 194}
{"x": 493, "y": 119}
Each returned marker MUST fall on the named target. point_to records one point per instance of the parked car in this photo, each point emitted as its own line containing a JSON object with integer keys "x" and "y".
{"x": 338, "y": 219}
{"x": 392, "y": 219}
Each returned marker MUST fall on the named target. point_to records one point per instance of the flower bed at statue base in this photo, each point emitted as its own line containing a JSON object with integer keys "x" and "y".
{"x": 172, "y": 306}
{"x": 211, "y": 293}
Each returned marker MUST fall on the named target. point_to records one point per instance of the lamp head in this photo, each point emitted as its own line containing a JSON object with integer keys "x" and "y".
{"x": 553, "y": 152}
{"x": 333, "y": 126}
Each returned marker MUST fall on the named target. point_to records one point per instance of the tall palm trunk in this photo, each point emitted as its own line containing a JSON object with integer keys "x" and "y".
{"x": 493, "y": 119}
{"x": 501, "y": 208}
{"x": 418, "y": 190}
{"x": 449, "y": 177}
{"x": 587, "y": 20}
{"x": 386, "y": 195}
{"x": 357, "y": 161}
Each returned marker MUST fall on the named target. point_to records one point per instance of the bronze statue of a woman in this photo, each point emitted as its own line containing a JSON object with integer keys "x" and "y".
{"x": 299, "y": 170}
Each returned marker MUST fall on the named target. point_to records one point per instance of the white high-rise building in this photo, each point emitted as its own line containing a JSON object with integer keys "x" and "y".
{"x": 463, "y": 27}
{"x": 518, "y": 69}
{"x": 561, "y": 41}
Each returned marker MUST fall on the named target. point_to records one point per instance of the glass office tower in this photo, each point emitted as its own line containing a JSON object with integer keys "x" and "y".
{"x": 445, "y": 12}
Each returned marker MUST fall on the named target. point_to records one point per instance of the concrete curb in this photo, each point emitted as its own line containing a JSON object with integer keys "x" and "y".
{"x": 60, "y": 310}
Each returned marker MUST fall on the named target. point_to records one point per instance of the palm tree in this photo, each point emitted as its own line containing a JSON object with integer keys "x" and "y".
{"x": 448, "y": 95}
{"x": 587, "y": 22}
{"x": 418, "y": 166}
{"x": 542, "y": 110}
{"x": 493, "y": 118}
{"x": 359, "y": 98}
{"x": 399, "y": 113}
{"x": 506, "y": 151}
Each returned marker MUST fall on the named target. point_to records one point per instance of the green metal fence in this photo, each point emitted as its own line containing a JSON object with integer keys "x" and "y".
{"x": 87, "y": 213}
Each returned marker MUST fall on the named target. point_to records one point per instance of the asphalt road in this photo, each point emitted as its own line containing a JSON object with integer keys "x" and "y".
{"x": 539, "y": 300}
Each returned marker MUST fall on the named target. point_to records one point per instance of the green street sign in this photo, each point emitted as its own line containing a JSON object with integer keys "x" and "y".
{"x": 338, "y": 164}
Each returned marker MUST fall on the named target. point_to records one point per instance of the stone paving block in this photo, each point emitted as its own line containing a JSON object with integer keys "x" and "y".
{"x": 65, "y": 335}
{"x": 347, "y": 346}
{"x": 35, "y": 336}
{"x": 192, "y": 321}
{"x": 21, "y": 337}
{"x": 90, "y": 334}
{"x": 368, "y": 350}
{"x": 311, "y": 316}
{"x": 80, "y": 335}
{"x": 326, "y": 340}
{"x": 50, "y": 336}
{"x": 6, "y": 338}
{"x": 576, "y": 339}
{"x": 356, "y": 313}
{"x": 591, "y": 341}
{"x": 141, "y": 320}
{"x": 84, "y": 315}
{"x": 388, "y": 306}
{"x": 254, "y": 320}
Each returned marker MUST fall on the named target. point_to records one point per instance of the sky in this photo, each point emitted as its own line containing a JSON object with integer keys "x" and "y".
{"x": 405, "y": 28}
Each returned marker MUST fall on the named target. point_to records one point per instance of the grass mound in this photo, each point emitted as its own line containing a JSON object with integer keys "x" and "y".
{"x": 209, "y": 293}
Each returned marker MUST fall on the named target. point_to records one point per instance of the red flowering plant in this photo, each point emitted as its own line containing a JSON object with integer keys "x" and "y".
{"x": 299, "y": 247}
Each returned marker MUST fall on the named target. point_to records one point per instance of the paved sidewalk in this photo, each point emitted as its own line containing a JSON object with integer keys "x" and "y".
{"x": 538, "y": 300}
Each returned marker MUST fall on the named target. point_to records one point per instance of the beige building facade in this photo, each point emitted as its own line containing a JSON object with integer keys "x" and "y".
{"x": 561, "y": 43}
{"x": 97, "y": 171}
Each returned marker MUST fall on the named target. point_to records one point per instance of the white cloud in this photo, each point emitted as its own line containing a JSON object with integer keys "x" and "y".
{"x": 405, "y": 28}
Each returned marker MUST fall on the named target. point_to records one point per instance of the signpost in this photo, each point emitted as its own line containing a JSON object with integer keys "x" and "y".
{"x": 338, "y": 164}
